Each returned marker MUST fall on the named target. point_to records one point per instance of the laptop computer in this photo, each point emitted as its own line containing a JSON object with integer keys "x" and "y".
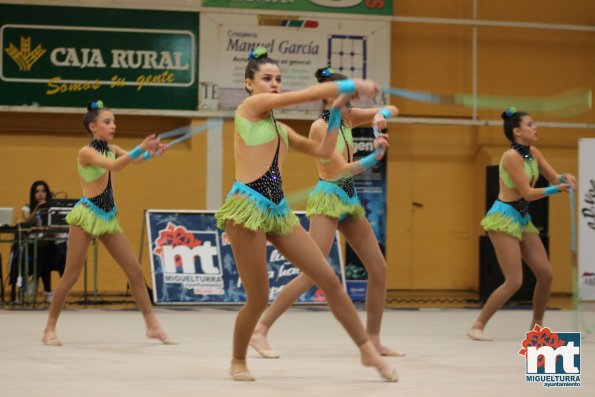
{"x": 6, "y": 216}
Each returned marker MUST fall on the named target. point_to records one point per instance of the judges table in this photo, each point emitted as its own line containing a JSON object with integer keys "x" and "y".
{"x": 29, "y": 237}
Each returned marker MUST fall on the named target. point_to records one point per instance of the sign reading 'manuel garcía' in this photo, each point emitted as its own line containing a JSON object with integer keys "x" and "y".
{"x": 55, "y": 56}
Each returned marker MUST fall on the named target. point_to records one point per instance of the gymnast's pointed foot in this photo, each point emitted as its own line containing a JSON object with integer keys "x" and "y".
{"x": 158, "y": 333}
{"x": 259, "y": 342}
{"x": 371, "y": 358}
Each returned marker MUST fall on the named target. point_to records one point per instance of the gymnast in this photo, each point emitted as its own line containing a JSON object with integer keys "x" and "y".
{"x": 508, "y": 222}
{"x": 95, "y": 216}
{"x": 334, "y": 204}
{"x": 255, "y": 209}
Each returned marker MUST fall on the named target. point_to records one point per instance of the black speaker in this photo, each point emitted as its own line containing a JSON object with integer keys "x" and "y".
{"x": 538, "y": 209}
{"x": 490, "y": 276}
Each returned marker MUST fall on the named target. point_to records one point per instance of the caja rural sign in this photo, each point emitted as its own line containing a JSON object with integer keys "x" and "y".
{"x": 137, "y": 62}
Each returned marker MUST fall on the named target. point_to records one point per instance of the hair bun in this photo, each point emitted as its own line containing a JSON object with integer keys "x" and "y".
{"x": 95, "y": 105}
{"x": 258, "y": 52}
{"x": 508, "y": 113}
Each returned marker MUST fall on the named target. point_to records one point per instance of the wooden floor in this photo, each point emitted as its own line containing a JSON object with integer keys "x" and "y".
{"x": 105, "y": 354}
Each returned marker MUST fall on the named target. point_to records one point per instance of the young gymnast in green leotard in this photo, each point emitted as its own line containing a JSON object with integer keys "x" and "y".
{"x": 255, "y": 210}
{"x": 95, "y": 216}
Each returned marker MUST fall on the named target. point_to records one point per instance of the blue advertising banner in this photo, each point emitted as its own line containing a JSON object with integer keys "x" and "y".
{"x": 371, "y": 185}
{"x": 192, "y": 261}
{"x": 371, "y": 189}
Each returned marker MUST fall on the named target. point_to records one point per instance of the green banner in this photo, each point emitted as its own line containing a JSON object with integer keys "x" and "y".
{"x": 64, "y": 57}
{"x": 367, "y": 7}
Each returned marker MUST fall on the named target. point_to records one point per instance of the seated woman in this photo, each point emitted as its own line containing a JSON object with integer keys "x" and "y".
{"x": 50, "y": 254}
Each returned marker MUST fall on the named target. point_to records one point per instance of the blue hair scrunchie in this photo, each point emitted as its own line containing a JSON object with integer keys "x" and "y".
{"x": 257, "y": 53}
{"x": 96, "y": 105}
{"x": 326, "y": 72}
{"x": 510, "y": 112}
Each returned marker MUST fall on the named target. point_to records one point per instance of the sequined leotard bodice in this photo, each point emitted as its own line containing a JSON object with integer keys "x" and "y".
{"x": 270, "y": 184}
{"x": 89, "y": 173}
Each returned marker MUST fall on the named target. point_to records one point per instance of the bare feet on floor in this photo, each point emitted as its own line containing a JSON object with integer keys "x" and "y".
{"x": 388, "y": 352}
{"x": 239, "y": 371}
{"x": 50, "y": 339}
{"x": 479, "y": 335}
{"x": 160, "y": 334}
{"x": 384, "y": 350}
{"x": 371, "y": 358}
{"x": 260, "y": 343}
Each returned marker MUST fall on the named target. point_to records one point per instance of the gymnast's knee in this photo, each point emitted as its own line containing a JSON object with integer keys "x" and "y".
{"x": 378, "y": 272}
{"x": 257, "y": 304}
{"x": 331, "y": 286}
{"x": 546, "y": 276}
{"x": 513, "y": 284}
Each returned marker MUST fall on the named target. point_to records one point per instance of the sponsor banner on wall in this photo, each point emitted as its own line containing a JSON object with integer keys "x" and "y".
{"x": 192, "y": 261}
{"x": 364, "y": 7}
{"x": 356, "y": 50}
{"x": 66, "y": 56}
{"x": 586, "y": 219}
{"x": 371, "y": 185}
{"x": 371, "y": 190}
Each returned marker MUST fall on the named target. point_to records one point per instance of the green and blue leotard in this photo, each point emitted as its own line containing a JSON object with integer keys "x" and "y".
{"x": 513, "y": 217}
{"x": 96, "y": 215}
{"x": 260, "y": 204}
{"x": 337, "y": 198}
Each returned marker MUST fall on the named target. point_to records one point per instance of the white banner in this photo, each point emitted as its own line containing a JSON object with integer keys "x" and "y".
{"x": 356, "y": 50}
{"x": 586, "y": 219}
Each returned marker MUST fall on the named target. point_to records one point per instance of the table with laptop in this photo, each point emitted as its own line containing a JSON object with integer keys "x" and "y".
{"x": 25, "y": 239}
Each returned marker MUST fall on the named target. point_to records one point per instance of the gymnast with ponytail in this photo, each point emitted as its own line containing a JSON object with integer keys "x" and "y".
{"x": 509, "y": 225}
{"x": 255, "y": 209}
{"x": 334, "y": 205}
{"x": 95, "y": 216}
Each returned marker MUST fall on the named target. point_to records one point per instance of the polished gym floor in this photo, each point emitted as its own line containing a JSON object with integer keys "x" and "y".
{"x": 105, "y": 353}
